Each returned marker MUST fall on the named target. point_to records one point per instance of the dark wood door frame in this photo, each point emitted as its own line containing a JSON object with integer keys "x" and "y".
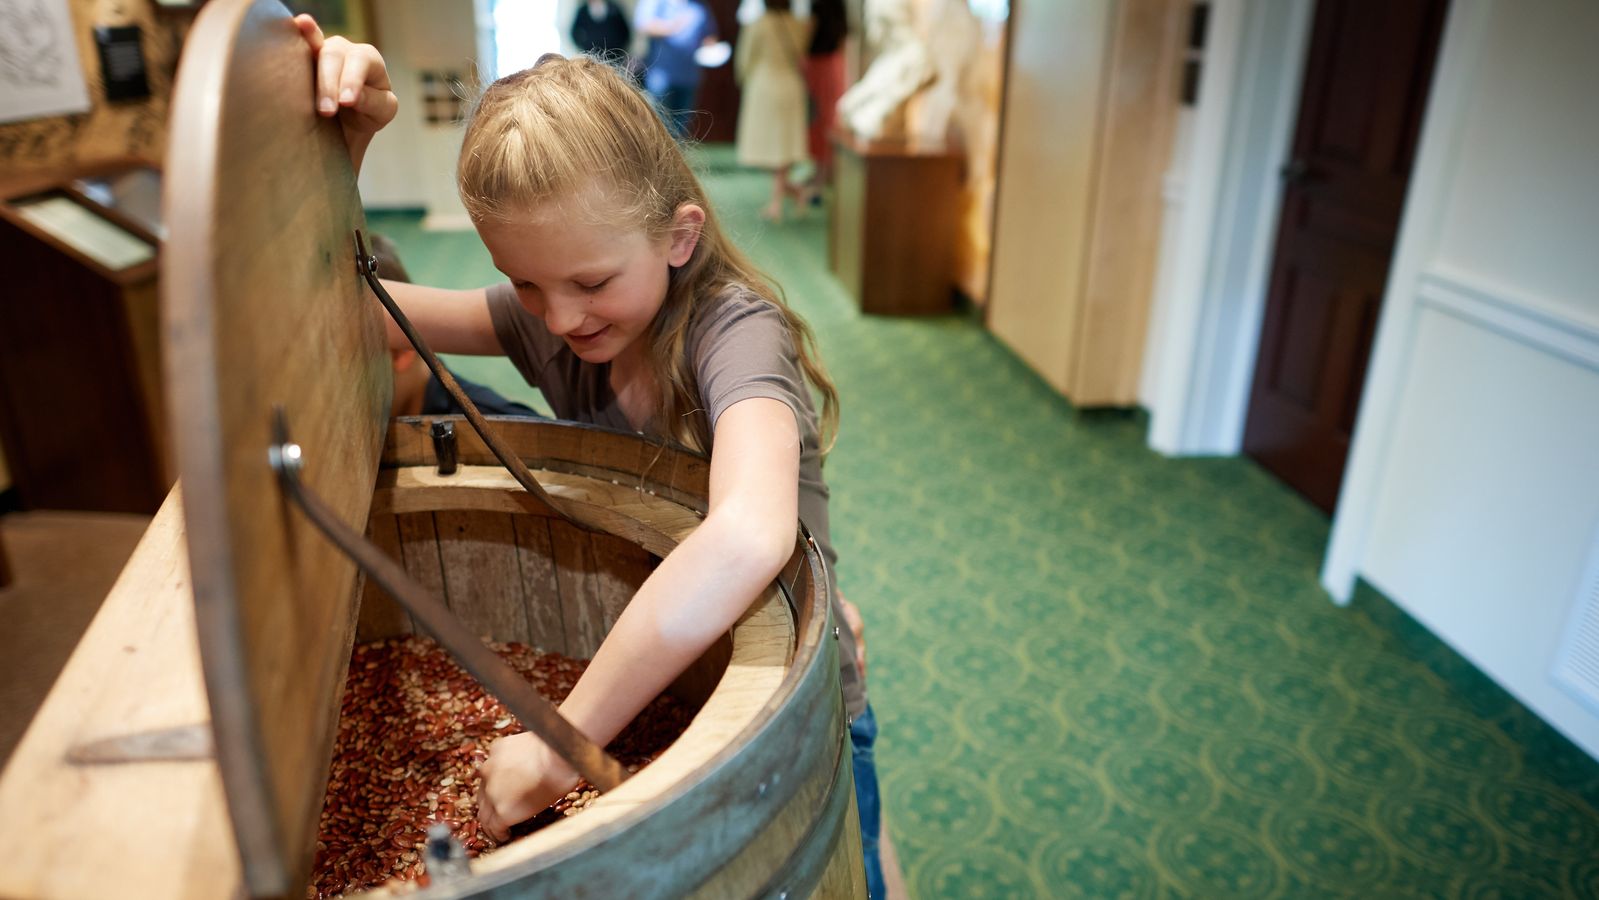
{"x": 1365, "y": 87}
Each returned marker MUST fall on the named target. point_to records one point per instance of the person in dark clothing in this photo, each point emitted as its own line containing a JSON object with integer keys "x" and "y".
{"x": 600, "y": 28}
{"x": 824, "y": 78}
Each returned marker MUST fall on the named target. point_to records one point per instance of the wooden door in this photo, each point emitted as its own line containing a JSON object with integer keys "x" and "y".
{"x": 1366, "y": 83}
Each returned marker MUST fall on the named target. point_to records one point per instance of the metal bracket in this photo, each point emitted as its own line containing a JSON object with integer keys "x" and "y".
{"x": 444, "y": 446}
{"x": 176, "y": 744}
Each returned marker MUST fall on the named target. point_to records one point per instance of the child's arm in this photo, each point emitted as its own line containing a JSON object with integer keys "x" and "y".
{"x": 450, "y": 321}
{"x": 352, "y": 82}
{"x": 693, "y": 597}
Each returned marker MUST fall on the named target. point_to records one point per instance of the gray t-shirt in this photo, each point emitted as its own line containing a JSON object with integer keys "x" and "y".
{"x": 741, "y": 349}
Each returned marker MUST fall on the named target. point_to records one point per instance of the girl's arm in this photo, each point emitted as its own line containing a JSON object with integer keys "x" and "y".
{"x": 450, "y": 321}
{"x": 692, "y": 598}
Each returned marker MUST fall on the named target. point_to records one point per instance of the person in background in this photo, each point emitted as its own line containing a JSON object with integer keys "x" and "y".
{"x": 676, "y": 28}
{"x": 771, "y": 122}
{"x": 600, "y": 29}
{"x": 824, "y": 77}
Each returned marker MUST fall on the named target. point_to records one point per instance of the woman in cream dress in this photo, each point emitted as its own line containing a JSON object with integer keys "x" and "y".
{"x": 772, "y": 121}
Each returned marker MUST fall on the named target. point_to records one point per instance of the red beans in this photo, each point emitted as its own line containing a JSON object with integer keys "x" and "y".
{"x": 413, "y": 727}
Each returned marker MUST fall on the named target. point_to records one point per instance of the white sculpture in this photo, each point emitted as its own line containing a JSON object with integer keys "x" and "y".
{"x": 954, "y": 41}
{"x": 924, "y": 48}
{"x": 900, "y": 69}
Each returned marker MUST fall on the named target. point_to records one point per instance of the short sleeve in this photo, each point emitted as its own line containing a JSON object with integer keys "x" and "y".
{"x": 742, "y": 349}
{"x": 527, "y": 343}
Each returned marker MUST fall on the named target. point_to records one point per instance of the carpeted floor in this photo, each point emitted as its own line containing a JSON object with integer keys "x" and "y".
{"x": 1102, "y": 673}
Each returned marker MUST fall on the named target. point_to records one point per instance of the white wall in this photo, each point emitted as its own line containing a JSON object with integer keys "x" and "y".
{"x": 1472, "y": 495}
{"x": 1222, "y": 198}
{"x": 411, "y": 164}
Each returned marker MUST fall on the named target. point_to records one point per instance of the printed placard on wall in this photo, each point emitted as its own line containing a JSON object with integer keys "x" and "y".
{"x": 39, "y": 70}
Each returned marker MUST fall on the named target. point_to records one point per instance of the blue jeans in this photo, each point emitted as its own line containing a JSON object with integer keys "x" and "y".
{"x": 862, "y": 735}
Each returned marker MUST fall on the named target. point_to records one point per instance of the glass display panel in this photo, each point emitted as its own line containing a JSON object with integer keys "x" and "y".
{"x": 102, "y": 241}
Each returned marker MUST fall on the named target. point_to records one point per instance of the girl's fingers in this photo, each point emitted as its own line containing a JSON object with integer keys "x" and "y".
{"x": 329, "y": 65}
{"x": 353, "y": 76}
{"x": 310, "y": 30}
{"x": 489, "y": 818}
{"x": 366, "y": 67}
{"x": 348, "y": 75}
{"x": 376, "y": 106}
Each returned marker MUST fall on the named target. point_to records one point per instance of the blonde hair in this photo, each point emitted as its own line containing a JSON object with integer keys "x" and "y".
{"x": 549, "y": 137}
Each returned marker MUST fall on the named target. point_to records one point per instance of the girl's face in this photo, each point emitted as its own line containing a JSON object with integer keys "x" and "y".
{"x": 598, "y": 288}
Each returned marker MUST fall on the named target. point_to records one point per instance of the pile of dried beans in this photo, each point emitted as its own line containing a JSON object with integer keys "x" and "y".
{"x": 413, "y": 727}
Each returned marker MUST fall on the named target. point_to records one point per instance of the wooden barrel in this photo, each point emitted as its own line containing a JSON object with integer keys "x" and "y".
{"x": 756, "y": 797}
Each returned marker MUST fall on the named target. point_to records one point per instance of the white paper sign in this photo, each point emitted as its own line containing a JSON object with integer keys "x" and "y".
{"x": 39, "y": 70}
{"x": 94, "y": 237}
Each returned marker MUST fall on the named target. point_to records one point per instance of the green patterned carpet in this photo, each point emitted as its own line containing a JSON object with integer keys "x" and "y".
{"x": 1101, "y": 673}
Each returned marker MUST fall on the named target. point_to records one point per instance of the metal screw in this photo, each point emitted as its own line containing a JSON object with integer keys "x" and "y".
{"x": 285, "y": 457}
{"x": 760, "y": 789}
{"x": 835, "y": 632}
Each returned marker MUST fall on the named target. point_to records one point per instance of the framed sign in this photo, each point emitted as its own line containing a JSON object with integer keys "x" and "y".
{"x": 108, "y": 244}
{"x": 39, "y": 71}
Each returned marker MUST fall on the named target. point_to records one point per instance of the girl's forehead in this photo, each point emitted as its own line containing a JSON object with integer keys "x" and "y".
{"x": 552, "y": 246}
{"x": 557, "y": 222}
{"x": 594, "y": 210}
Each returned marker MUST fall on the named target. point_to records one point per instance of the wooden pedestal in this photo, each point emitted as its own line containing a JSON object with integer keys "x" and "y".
{"x": 895, "y": 216}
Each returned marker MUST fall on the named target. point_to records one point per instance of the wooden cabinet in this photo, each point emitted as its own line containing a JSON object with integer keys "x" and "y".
{"x": 80, "y": 400}
{"x": 1091, "y": 104}
{"x": 894, "y": 221}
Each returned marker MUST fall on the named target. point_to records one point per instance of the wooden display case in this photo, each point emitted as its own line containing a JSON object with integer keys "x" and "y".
{"x": 895, "y": 215}
{"x": 1091, "y": 107}
{"x": 81, "y": 414}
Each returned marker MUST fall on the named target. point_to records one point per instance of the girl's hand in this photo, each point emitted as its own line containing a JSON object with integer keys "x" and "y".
{"x": 857, "y": 626}
{"x": 351, "y": 82}
{"x": 521, "y": 778}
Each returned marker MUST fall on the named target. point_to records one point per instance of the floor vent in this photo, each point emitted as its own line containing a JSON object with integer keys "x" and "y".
{"x": 1577, "y": 667}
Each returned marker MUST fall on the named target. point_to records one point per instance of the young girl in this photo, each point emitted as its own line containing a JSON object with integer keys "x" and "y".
{"x": 628, "y": 307}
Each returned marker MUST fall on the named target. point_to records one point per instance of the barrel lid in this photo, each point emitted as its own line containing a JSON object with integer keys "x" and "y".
{"x": 264, "y": 308}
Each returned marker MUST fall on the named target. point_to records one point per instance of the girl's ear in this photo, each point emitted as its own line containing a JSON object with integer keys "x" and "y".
{"x": 687, "y": 224}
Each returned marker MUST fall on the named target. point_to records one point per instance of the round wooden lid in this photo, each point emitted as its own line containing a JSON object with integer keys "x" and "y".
{"x": 264, "y": 308}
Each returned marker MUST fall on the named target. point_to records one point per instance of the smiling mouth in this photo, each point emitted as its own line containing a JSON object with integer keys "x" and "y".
{"x": 581, "y": 338}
